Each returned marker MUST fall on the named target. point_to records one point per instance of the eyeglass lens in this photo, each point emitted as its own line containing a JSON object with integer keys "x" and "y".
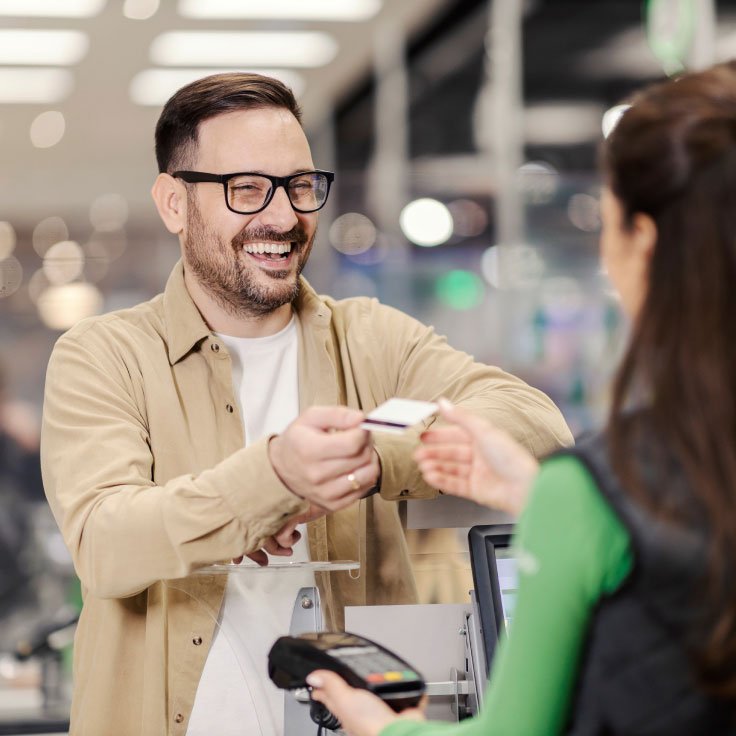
{"x": 249, "y": 192}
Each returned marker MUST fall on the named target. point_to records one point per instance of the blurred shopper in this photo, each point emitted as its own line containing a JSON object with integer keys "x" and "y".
{"x": 625, "y": 621}
{"x": 20, "y": 490}
{"x": 188, "y": 430}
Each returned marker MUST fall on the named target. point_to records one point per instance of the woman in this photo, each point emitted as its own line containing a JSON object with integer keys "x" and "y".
{"x": 625, "y": 620}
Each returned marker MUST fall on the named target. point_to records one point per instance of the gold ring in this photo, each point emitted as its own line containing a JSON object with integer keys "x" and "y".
{"x": 354, "y": 482}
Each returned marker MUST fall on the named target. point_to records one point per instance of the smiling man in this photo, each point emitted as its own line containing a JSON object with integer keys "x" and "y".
{"x": 221, "y": 419}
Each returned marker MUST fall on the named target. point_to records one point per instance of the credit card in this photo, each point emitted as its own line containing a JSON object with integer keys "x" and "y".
{"x": 397, "y": 415}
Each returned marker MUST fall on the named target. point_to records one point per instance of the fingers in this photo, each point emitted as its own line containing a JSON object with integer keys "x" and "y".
{"x": 435, "y": 453}
{"x": 275, "y": 547}
{"x": 445, "y": 435}
{"x": 259, "y": 557}
{"x": 331, "y": 469}
{"x": 455, "y": 485}
{"x": 327, "y": 685}
{"x": 360, "y": 712}
{"x": 332, "y": 417}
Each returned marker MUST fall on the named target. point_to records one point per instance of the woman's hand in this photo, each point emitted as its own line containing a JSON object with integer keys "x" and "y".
{"x": 361, "y": 713}
{"x": 473, "y": 459}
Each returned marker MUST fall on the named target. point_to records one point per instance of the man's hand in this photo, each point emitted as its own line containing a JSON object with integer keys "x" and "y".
{"x": 285, "y": 538}
{"x": 324, "y": 457}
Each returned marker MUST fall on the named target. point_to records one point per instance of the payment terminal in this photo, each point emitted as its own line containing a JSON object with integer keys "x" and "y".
{"x": 360, "y": 662}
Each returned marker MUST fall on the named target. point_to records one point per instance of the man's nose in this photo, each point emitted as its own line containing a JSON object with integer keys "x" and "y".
{"x": 279, "y": 213}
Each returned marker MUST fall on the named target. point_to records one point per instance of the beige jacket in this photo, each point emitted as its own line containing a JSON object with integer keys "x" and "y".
{"x": 147, "y": 476}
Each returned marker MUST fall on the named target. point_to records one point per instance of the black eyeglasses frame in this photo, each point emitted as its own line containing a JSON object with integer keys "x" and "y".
{"x": 196, "y": 177}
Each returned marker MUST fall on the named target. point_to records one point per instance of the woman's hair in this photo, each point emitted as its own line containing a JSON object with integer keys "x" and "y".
{"x": 178, "y": 125}
{"x": 672, "y": 156}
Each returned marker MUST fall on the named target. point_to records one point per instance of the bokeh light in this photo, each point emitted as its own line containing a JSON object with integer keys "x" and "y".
{"x": 11, "y": 276}
{"x": 140, "y": 9}
{"x": 47, "y": 129}
{"x": 112, "y": 243}
{"x": 63, "y": 262}
{"x": 108, "y": 212}
{"x": 469, "y": 218}
{"x": 562, "y": 299}
{"x": 538, "y": 182}
{"x": 7, "y": 239}
{"x": 460, "y": 289}
{"x": 37, "y": 284}
{"x": 426, "y": 222}
{"x": 61, "y": 307}
{"x": 49, "y": 231}
{"x": 584, "y": 212}
{"x": 352, "y": 233}
{"x": 611, "y": 117}
{"x": 513, "y": 266}
{"x": 96, "y": 261}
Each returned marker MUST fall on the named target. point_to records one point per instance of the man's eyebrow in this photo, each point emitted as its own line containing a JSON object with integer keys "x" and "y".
{"x": 299, "y": 170}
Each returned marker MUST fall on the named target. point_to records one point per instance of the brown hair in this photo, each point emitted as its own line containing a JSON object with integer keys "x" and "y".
{"x": 673, "y": 157}
{"x": 178, "y": 125}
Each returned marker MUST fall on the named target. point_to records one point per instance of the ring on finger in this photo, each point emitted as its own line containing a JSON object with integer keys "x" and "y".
{"x": 353, "y": 481}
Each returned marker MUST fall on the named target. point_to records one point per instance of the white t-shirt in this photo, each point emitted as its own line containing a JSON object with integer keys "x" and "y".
{"x": 235, "y": 695}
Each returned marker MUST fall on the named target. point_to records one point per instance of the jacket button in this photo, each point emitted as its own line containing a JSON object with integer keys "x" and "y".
{"x": 197, "y": 641}
{"x": 214, "y": 347}
{"x": 229, "y": 407}
{"x": 178, "y": 717}
{"x": 405, "y": 492}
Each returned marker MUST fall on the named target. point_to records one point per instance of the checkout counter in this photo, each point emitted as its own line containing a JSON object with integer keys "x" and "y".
{"x": 449, "y": 644}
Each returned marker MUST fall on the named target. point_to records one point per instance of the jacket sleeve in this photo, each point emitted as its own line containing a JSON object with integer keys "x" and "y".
{"x": 416, "y": 363}
{"x": 123, "y": 531}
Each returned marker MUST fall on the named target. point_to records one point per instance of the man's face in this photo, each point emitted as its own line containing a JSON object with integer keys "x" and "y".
{"x": 224, "y": 250}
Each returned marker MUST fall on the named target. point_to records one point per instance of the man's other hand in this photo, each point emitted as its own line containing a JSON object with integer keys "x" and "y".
{"x": 324, "y": 457}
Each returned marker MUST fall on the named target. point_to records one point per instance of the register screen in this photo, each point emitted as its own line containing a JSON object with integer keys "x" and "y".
{"x": 508, "y": 582}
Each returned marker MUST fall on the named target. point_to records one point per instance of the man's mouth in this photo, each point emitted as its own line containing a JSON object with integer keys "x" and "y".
{"x": 268, "y": 251}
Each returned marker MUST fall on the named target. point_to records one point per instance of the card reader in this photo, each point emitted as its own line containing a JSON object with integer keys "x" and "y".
{"x": 360, "y": 662}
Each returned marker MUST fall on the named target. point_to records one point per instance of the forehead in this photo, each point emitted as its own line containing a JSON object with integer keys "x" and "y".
{"x": 267, "y": 139}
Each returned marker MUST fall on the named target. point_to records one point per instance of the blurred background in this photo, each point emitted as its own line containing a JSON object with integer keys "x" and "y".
{"x": 463, "y": 134}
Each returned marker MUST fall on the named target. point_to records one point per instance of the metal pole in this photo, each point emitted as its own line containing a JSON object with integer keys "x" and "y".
{"x": 388, "y": 175}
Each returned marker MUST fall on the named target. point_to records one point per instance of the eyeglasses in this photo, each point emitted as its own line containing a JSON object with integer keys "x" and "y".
{"x": 247, "y": 193}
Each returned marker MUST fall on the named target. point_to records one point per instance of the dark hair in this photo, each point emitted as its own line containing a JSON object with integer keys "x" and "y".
{"x": 178, "y": 125}
{"x": 672, "y": 156}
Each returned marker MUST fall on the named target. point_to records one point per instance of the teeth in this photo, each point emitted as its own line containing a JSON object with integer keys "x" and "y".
{"x": 267, "y": 247}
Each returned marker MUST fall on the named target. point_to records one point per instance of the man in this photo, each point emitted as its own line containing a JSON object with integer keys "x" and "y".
{"x": 205, "y": 424}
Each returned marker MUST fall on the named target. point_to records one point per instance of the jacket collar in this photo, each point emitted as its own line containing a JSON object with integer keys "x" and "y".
{"x": 186, "y": 328}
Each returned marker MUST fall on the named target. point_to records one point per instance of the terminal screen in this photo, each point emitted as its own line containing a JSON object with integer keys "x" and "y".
{"x": 508, "y": 582}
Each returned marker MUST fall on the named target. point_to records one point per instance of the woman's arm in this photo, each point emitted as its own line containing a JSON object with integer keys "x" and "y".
{"x": 571, "y": 550}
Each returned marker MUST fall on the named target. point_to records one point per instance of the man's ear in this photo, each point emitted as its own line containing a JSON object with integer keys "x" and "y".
{"x": 169, "y": 194}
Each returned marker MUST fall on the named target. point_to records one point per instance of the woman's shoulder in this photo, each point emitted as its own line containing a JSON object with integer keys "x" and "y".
{"x": 567, "y": 517}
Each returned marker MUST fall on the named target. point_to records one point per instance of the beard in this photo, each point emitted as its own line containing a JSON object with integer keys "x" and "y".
{"x": 239, "y": 287}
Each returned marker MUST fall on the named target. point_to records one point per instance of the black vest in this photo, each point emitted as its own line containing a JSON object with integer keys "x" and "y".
{"x": 636, "y": 676}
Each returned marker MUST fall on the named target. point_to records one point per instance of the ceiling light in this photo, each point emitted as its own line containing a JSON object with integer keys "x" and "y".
{"x": 51, "y": 8}
{"x": 426, "y": 222}
{"x": 42, "y": 47}
{"x": 47, "y": 129}
{"x": 246, "y": 48}
{"x": 155, "y": 86}
{"x": 347, "y": 10}
{"x": 140, "y": 9}
{"x": 35, "y": 85}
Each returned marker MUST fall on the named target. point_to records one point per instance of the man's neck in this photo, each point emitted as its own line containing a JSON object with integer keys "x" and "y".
{"x": 225, "y": 323}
